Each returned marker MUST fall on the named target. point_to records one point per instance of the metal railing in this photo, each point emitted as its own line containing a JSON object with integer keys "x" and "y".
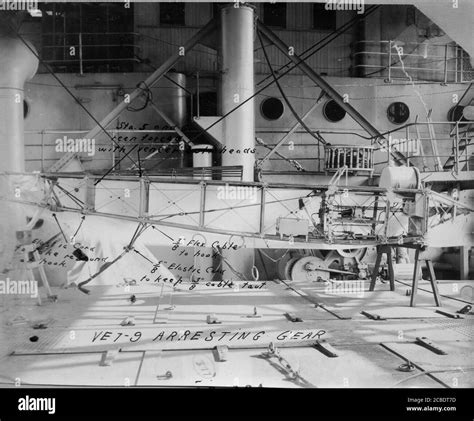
{"x": 354, "y": 158}
{"x": 422, "y": 150}
{"x": 409, "y": 139}
{"x": 423, "y": 61}
{"x": 84, "y": 50}
{"x": 112, "y": 147}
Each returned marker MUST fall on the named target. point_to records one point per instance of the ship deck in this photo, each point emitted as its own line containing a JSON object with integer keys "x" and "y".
{"x": 75, "y": 337}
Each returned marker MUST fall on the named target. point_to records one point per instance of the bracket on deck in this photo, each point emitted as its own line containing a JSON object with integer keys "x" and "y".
{"x": 326, "y": 349}
{"x": 424, "y": 341}
{"x": 372, "y": 316}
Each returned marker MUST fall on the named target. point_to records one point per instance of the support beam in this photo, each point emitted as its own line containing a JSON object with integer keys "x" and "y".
{"x": 416, "y": 277}
{"x": 464, "y": 262}
{"x": 326, "y": 87}
{"x": 89, "y": 198}
{"x": 292, "y": 130}
{"x": 144, "y": 197}
{"x": 149, "y": 82}
{"x": 172, "y": 124}
{"x": 387, "y": 250}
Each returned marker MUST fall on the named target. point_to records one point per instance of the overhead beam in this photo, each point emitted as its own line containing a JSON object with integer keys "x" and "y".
{"x": 170, "y": 123}
{"x": 149, "y": 82}
{"x": 325, "y": 86}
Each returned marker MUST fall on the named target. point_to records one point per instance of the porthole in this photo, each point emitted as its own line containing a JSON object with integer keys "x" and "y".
{"x": 456, "y": 114}
{"x": 398, "y": 112}
{"x": 272, "y": 108}
{"x": 333, "y": 111}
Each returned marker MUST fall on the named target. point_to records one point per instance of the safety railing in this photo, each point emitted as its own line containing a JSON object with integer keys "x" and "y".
{"x": 54, "y": 142}
{"x": 422, "y": 61}
{"x": 354, "y": 158}
{"x": 85, "y": 51}
{"x": 449, "y": 150}
{"x": 121, "y": 146}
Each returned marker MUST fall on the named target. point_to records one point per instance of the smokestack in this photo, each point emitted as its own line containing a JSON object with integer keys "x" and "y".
{"x": 237, "y": 67}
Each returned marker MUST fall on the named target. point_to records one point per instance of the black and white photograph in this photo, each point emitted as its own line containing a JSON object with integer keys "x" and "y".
{"x": 205, "y": 195}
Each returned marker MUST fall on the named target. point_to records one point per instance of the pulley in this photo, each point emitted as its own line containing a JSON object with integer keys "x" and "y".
{"x": 309, "y": 268}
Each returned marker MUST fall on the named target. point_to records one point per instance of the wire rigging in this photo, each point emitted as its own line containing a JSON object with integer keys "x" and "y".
{"x": 293, "y": 111}
{"x": 47, "y": 67}
{"x": 327, "y": 39}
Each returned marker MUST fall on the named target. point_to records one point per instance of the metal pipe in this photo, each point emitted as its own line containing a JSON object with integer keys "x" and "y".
{"x": 171, "y": 123}
{"x": 198, "y": 108}
{"x": 390, "y": 61}
{"x": 149, "y": 82}
{"x": 81, "y": 70}
{"x": 237, "y": 85}
{"x": 202, "y": 206}
{"x": 17, "y": 65}
{"x": 446, "y": 63}
{"x": 113, "y": 133}
{"x": 42, "y": 151}
{"x": 456, "y": 144}
{"x": 262, "y": 210}
{"x": 456, "y": 64}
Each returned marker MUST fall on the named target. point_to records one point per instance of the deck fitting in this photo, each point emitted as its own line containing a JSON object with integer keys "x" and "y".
{"x": 108, "y": 357}
{"x": 406, "y": 367}
{"x": 465, "y": 310}
{"x": 372, "y": 316}
{"x": 255, "y": 314}
{"x": 424, "y": 341}
{"x": 449, "y": 314}
{"x": 293, "y": 318}
{"x": 165, "y": 376}
{"x": 128, "y": 321}
{"x": 326, "y": 348}
{"x": 212, "y": 319}
{"x": 221, "y": 353}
